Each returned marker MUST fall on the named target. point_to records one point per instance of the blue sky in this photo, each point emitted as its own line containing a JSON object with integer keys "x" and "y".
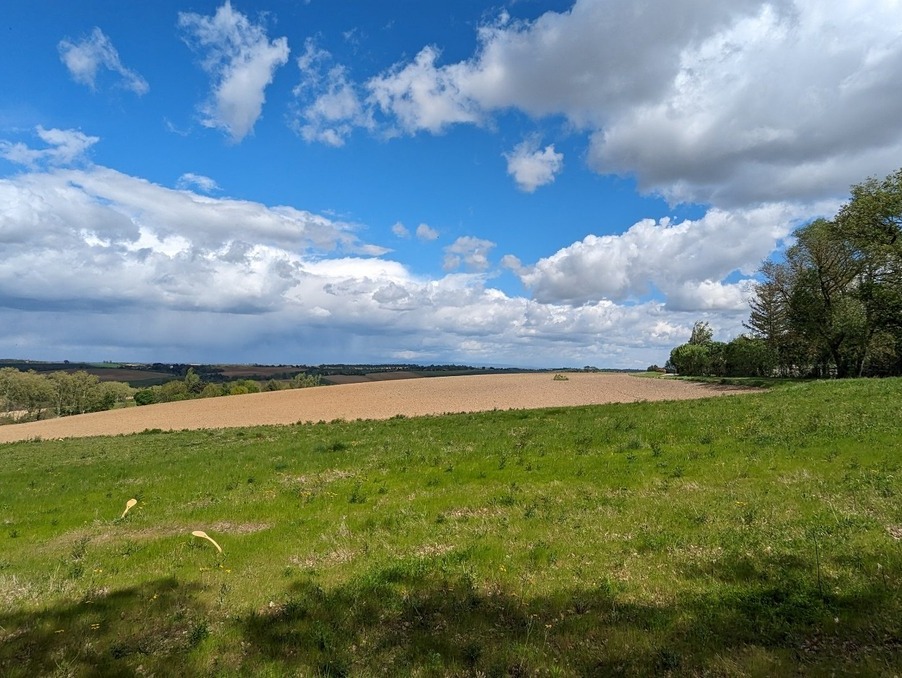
{"x": 534, "y": 182}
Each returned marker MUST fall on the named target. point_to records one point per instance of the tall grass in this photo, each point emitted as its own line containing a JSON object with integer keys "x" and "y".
{"x": 752, "y": 535}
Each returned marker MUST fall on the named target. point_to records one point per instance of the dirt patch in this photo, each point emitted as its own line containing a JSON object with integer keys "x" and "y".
{"x": 373, "y": 400}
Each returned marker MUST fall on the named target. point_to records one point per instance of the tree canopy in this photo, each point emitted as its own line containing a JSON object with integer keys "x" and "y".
{"x": 830, "y": 306}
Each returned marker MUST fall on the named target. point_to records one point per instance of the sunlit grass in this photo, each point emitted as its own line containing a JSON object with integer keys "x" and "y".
{"x": 757, "y": 534}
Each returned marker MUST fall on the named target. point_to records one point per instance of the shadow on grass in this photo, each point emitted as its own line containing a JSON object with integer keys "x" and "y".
{"x": 750, "y": 616}
{"x": 155, "y": 625}
{"x": 413, "y": 618}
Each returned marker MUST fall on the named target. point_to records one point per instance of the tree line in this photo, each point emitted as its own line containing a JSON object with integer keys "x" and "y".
{"x": 30, "y": 395}
{"x": 830, "y": 306}
{"x": 194, "y": 386}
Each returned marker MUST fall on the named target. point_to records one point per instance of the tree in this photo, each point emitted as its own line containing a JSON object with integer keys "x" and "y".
{"x": 193, "y": 383}
{"x": 304, "y": 380}
{"x": 112, "y": 394}
{"x": 212, "y": 391}
{"x": 872, "y": 223}
{"x": 145, "y": 396}
{"x": 25, "y": 392}
{"x": 701, "y": 334}
{"x": 701, "y": 355}
{"x": 769, "y": 318}
{"x": 172, "y": 391}
{"x": 873, "y": 217}
{"x": 691, "y": 359}
{"x": 834, "y": 304}
{"x": 76, "y": 392}
{"x": 806, "y": 308}
{"x": 749, "y": 357}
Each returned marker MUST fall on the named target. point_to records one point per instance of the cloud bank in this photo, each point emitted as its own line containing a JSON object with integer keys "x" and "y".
{"x": 97, "y": 258}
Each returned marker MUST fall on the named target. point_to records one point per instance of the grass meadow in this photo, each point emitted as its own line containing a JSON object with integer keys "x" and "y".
{"x": 754, "y": 535}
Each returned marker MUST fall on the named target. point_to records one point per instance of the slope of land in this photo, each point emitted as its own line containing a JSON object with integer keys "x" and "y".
{"x": 750, "y": 536}
{"x": 375, "y": 400}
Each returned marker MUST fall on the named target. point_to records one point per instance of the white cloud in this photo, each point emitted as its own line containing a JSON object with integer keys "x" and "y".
{"x": 400, "y": 230}
{"x": 423, "y": 96}
{"x": 692, "y": 107}
{"x": 469, "y": 252}
{"x": 241, "y": 61}
{"x": 688, "y": 262}
{"x": 99, "y": 263}
{"x": 726, "y": 130}
{"x": 531, "y": 167}
{"x": 85, "y": 57}
{"x": 198, "y": 181}
{"x": 65, "y": 147}
{"x": 329, "y": 107}
{"x": 426, "y": 232}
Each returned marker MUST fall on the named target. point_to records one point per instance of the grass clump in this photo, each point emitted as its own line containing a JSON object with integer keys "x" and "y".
{"x": 755, "y": 535}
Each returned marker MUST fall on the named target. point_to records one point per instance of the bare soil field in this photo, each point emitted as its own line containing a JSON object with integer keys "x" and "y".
{"x": 372, "y": 400}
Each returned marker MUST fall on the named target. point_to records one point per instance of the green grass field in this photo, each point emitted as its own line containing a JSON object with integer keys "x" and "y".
{"x": 751, "y": 535}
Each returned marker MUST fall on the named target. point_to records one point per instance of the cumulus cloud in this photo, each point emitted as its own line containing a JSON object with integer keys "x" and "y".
{"x": 692, "y": 112}
{"x": 329, "y": 107}
{"x": 241, "y": 61}
{"x": 423, "y": 96}
{"x": 426, "y": 232}
{"x": 532, "y": 167}
{"x": 96, "y": 258}
{"x": 725, "y": 130}
{"x": 85, "y": 57}
{"x": 197, "y": 181}
{"x": 96, "y": 237}
{"x": 470, "y": 252}
{"x": 688, "y": 262}
{"x": 64, "y": 147}
{"x": 423, "y": 231}
{"x": 691, "y": 109}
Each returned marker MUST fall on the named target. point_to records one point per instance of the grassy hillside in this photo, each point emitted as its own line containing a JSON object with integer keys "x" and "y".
{"x": 754, "y": 535}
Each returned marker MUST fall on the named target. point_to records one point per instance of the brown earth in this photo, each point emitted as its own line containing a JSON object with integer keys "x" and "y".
{"x": 373, "y": 400}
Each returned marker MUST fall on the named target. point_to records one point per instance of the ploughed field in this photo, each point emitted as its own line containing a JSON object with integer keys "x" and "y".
{"x": 380, "y": 400}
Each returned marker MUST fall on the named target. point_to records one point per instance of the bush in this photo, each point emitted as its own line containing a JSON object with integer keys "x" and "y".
{"x": 146, "y": 396}
{"x": 749, "y": 357}
{"x": 690, "y": 359}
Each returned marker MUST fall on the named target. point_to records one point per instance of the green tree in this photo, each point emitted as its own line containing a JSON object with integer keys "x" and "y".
{"x": 113, "y": 394}
{"x": 871, "y": 222}
{"x": 146, "y": 396}
{"x": 304, "y": 380}
{"x": 172, "y": 391}
{"x": 193, "y": 383}
{"x": 691, "y": 359}
{"x": 701, "y": 334}
{"x": 747, "y": 356}
{"x": 242, "y": 386}
{"x": 833, "y": 305}
{"x": 6, "y": 388}
{"x": 25, "y": 392}
{"x": 212, "y": 391}
{"x": 807, "y": 307}
{"x": 75, "y": 392}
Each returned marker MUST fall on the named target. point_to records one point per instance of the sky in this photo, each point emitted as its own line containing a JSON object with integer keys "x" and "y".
{"x": 532, "y": 183}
